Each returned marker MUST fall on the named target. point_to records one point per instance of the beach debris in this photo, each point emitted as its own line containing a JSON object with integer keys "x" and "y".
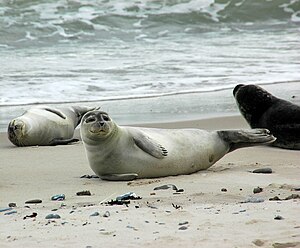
{"x": 34, "y": 201}
{"x": 169, "y": 186}
{"x": 183, "y": 223}
{"x": 176, "y": 206}
{"x": 115, "y": 202}
{"x": 95, "y": 214}
{"x": 12, "y": 205}
{"x": 278, "y": 217}
{"x": 182, "y": 228}
{"x": 89, "y": 176}
{"x": 11, "y": 212}
{"x": 292, "y": 196}
{"x": 224, "y": 190}
{"x": 33, "y": 215}
{"x": 286, "y": 245}
{"x": 59, "y": 197}
{"x": 253, "y": 199}
{"x": 106, "y": 214}
{"x": 52, "y": 216}
{"x": 263, "y": 171}
{"x": 82, "y": 193}
{"x": 149, "y": 205}
{"x": 128, "y": 196}
{"x": 257, "y": 190}
{"x": 5, "y": 209}
{"x": 258, "y": 242}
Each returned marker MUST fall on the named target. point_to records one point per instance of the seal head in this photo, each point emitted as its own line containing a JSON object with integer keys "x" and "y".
{"x": 261, "y": 109}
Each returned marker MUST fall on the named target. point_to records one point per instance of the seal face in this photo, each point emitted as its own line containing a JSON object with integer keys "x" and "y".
{"x": 126, "y": 153}
{"x": 263, "y": 110}
{"x": 44, "y": 125}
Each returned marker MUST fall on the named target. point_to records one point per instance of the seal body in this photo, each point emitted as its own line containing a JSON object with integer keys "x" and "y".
{"x": 125, "y": 153}
{"x": 263, "y": 110}
{"x": 44, "y": 125}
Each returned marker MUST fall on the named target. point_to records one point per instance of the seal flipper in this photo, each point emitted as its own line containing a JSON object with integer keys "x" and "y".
{"x": 57, "y": 112}
{"x": 149, "y": 145}
{"x": 119, "y": 177}
{"x": 246, "y": 138}
{"x": 56, "y": 142}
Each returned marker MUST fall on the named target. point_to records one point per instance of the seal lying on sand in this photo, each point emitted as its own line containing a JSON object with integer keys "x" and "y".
{"x": 45, "y": 126}
{"x": 263, "y": 110}
{"x": 127, "y": 153}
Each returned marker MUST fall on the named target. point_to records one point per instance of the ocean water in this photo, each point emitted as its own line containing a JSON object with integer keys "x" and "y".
{"x": 146, "y": 60}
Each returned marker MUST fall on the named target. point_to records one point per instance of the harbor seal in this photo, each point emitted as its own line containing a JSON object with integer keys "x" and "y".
{"x": 126, "y": 153}
{"x": 46, "y": 126}
{"x": 263, "y": 110}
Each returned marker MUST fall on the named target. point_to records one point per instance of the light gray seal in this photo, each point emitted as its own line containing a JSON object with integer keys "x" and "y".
{"x": 46, "y": 126}
{"x": 263, "y": 110}
{"x": 126, "y": 153}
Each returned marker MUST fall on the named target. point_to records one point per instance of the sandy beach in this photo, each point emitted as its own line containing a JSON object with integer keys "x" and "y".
{"x": 215, "y": 208}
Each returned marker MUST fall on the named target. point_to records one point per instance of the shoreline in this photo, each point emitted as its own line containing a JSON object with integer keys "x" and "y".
{"x": 204, "y": 214}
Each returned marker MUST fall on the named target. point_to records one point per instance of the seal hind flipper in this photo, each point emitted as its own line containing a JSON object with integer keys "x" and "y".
{"x": 56, "y": 142}
{"x": 149, "y": 145}
{"x": 57, "y": 112}
{"x": 119, "y": 177}
{"x": 245, "y": 138}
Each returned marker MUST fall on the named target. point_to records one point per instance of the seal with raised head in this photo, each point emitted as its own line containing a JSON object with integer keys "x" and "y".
{"x": 46, "y": 126}
{"x": 263, "y": 110}
{"x": 126, "y": 153}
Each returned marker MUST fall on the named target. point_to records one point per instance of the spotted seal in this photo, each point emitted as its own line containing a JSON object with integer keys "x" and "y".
{"x": 126, "y": 153}
{"x": 44, "y": 125}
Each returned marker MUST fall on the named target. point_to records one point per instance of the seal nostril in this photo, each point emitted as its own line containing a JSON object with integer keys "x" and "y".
{"x": 101, "y": 123}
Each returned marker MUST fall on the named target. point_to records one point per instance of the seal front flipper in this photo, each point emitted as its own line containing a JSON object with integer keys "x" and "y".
{"x": 149, "y": 145}
{"x": 57, "y": 112}
{"x": 119, "y": 177}
{"x": 56, "y": 142}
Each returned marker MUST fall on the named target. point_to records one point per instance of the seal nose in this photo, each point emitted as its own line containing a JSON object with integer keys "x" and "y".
{"x": 236, "y": 88}
{"x": 101, "y": 123}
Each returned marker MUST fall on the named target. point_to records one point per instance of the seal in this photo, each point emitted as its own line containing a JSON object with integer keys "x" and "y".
{"x": 46, "y": 126}
{"x": 126, "y": 153}
{"x": 263, "y": 110}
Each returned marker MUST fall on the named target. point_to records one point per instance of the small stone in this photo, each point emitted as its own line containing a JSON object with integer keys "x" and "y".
{"x": 128, "y": 196}
{"x": 106, "y": 214}
{"x": 253, "y": 200}
{"x": 278, "y": 217}
{"x": 95, "y": 214}
{"x": 85, "y": 192}
{"x": 52, "y": 216}
{"x": 292, "y": 196}
{"x": 183, "y": 223}
{"x": 33, "y": 215}
{"x": 59, "y": 197}
{"x": 183, "y": 228}
{"x": 34, "y": 201}
{"x": 275, "y": 198}
{"x": 12, "y": 205}
{"x": 263, "y": 171}
{"x": 166, "y": 186}
{"x": 257, "y": 190}
{"x": 224, "y": 190}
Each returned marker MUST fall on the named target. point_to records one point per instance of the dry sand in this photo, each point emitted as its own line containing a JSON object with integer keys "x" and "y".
{"x": 203, "y": 215}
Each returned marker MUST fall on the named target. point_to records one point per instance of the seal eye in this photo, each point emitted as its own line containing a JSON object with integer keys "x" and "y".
{"x": 90, "y": 119}
{"x": 105, "y": 118}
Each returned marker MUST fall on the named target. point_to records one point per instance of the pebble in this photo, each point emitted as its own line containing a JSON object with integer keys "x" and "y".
{"x": 253, "y": 200}
{"x": 183, "y": 228}
{"x": 52, "y": 216}
{"x": 106, "y": 214}
{"x": 263, "y": 171}
{"x": 95, "y": 214}
{"x": 59, "y": 197}
{"x": 89, "y": 176}
{"x": 34, "y": 201}
{"x": 85, "y": 192}
{"x": 278, "y": 217}
{"x": 168, "y": 186}
{"x": 257, "y": 190}
{"x": 33, "y": 215}
{"x": 12, "y": 205}
{"x": 224, "y": 190}
{"x": 183, "y": 223}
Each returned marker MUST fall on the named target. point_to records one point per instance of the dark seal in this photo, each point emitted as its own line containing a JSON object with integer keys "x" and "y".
{"x": 263, "y": 110}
